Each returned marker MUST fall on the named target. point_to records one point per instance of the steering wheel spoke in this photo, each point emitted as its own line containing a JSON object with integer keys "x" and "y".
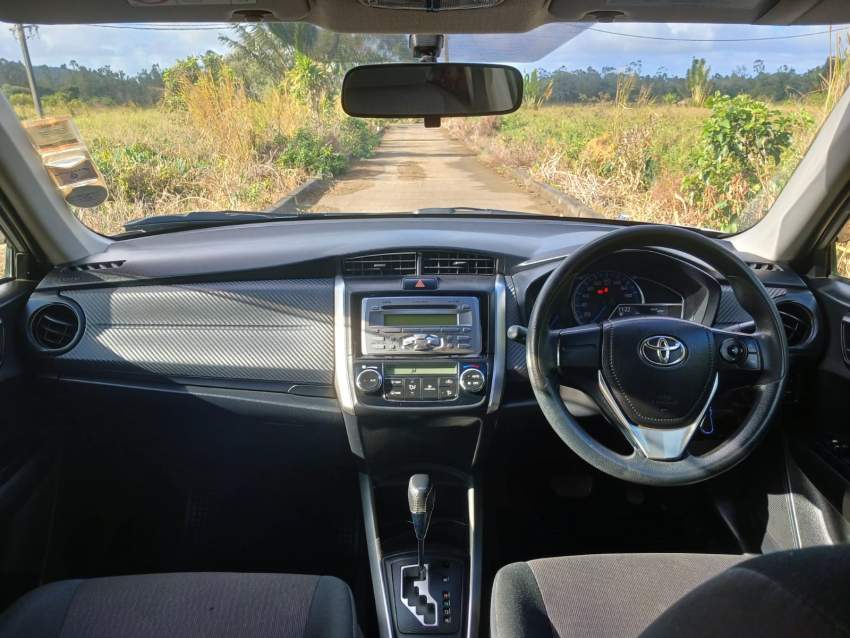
{"x": 652, "y": 442}
{"x": 578, "y": 352}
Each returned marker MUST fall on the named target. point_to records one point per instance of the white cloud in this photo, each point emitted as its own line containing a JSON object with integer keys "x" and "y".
{"x": 595, "y": 48}
{"x": 123, "y": 49}
{"x": 132, "y": 50}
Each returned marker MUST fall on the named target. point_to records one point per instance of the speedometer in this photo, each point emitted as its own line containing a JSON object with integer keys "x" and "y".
{"x": 598, "y": 294}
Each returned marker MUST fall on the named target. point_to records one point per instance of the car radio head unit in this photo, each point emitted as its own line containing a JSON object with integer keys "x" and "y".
{"x": 420, "y": 325}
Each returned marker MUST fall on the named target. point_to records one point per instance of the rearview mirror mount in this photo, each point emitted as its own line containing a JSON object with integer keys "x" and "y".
{"x": 431, "y": 91}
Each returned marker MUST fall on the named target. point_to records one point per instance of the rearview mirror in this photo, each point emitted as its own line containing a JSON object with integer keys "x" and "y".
{"x": 431, "y": 90}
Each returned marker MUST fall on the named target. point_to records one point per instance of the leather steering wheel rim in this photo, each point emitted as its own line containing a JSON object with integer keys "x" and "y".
{"x": 543, "y": 358}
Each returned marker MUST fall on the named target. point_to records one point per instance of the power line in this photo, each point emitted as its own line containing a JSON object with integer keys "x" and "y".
{"x": 210, "y": 27}
{"x": 162, "y": 27}
{"x": 667, "y": 39}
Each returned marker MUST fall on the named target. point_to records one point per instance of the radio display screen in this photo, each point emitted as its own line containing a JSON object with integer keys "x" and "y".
{"x": 400, "y": 371}
{"x": 446, "y": 319}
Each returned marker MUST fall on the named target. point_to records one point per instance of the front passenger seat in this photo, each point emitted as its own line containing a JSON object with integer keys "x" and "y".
{"x": 794, "y": 593}
{"x": 208, "y": 605}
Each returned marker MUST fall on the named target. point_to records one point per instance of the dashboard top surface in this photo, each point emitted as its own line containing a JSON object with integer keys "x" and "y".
{"x": 312, "y": 246}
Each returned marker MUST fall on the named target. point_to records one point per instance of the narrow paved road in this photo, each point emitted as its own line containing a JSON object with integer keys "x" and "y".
{"x": 415, "y": 167}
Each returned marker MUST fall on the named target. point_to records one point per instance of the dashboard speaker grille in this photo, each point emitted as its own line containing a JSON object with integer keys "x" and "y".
{"x": 457, "y": 263}
{"x": 384, "y": 264}
{"x": 55, "y": 327}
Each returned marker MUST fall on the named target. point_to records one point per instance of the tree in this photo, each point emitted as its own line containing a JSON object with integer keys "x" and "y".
{"x": 536, "y": 90}
{"x": 698, "y": 83}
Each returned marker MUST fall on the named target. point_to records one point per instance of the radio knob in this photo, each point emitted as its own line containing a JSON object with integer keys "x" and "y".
{"x": 369, "y": 381}
{"x": 472, "y": 380}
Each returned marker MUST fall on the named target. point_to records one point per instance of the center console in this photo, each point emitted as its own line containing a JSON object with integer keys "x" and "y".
{"x": 419, "y": 374}
{"x": 420, "y": 351}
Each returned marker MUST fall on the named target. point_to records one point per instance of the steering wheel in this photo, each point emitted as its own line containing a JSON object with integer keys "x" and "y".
{"x": 655, "y": 377}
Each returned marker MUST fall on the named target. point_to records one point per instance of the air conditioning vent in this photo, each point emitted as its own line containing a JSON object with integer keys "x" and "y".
{"x": 457, "y": 263}
{"x": 54, "y": 328}
{"x": 99, "y": 265}
{"x": 797, "y": 321}
{"x": 764, "y": 266}
{"x": 385, "y": 264}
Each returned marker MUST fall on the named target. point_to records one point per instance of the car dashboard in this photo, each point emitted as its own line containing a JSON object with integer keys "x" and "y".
{"x": 237, "y": 309}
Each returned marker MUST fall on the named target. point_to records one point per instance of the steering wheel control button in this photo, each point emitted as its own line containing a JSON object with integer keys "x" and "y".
{"x": 472, "y": 380}
{"x": 369, "y": 381}
{"x": 733, "y": 350}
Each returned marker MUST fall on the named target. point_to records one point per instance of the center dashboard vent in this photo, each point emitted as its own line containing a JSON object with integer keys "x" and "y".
{"x": 457, "y": 263}
{"x": 55, "y": 327}
{"x": 797, "y": 321}
{"x": 381, "y": 265}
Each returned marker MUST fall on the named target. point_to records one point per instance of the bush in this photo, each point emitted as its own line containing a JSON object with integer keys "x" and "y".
{"x": 140, "y": 173}
{"x": 309, "y": 151}
{"x": 358, "y": 137}
{"x": 20, "y": 99}
{"x": 741, "y": 141}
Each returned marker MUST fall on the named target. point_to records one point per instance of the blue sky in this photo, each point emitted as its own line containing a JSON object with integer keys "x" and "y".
{"x": 131, "y": 50}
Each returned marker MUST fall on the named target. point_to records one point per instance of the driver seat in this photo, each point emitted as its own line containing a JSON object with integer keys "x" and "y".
{"x": 793, "y": 593}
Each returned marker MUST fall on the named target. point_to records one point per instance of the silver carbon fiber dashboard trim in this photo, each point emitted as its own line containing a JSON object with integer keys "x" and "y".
{"x": 342, "y": 361}
{"x": 278, "y": 330}
{"x": 500, "y": 337}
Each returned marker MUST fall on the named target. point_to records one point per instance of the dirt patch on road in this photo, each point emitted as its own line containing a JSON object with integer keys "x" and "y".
{"x": 410, "y": 170}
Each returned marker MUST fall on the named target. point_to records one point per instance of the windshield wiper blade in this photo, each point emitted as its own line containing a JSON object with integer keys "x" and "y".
{"x": 199, "y": 219}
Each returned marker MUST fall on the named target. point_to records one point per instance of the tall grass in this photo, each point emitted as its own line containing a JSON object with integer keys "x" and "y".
{"x": 619, "y": 162}
{"x": 222, "y": 150}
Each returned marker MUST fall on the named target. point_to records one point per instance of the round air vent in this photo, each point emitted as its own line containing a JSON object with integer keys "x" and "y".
{"x": 55, "y": 327}
{"x": 798, "y": 322}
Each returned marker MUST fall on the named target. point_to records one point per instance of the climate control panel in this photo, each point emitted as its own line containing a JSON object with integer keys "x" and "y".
{"x": 410, "y": 383}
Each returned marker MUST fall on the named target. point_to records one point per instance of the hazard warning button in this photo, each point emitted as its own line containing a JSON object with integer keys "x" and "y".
{"x": 420, "y": 283}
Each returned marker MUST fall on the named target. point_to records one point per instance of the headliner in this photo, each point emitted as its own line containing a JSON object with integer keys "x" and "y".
{"x": 351, "y": 16}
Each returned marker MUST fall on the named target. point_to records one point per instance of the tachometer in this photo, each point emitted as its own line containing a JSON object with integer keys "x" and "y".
{"x": 598, "y": 294}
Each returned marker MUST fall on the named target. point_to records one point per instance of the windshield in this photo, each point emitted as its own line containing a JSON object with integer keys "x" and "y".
{"x": 694, "y": 125}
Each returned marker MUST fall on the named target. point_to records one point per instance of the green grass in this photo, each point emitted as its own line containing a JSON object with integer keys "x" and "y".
{"x": 618, "y": 161}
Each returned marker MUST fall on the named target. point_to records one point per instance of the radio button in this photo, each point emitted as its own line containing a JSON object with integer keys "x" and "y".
{"x": 412, "y": 389}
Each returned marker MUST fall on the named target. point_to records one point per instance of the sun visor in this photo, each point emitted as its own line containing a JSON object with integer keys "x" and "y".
{"x": 94, "y": 11}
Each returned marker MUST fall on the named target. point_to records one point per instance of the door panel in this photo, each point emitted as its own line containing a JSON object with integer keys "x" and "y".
{"x": 25, "y": 458}
{"x": 820, "y": 442}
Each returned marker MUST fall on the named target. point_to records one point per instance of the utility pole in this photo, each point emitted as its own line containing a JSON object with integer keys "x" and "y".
{"x": 25, "y": 54}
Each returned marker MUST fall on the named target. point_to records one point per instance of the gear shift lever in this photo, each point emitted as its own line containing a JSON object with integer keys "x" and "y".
{"x": 420, "y": 500}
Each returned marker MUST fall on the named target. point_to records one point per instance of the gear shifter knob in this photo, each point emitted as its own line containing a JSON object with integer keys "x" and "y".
{"x": 420, "y": 500}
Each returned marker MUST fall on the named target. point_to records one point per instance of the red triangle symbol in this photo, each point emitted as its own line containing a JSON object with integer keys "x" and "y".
{"x": 420, "y": 284}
